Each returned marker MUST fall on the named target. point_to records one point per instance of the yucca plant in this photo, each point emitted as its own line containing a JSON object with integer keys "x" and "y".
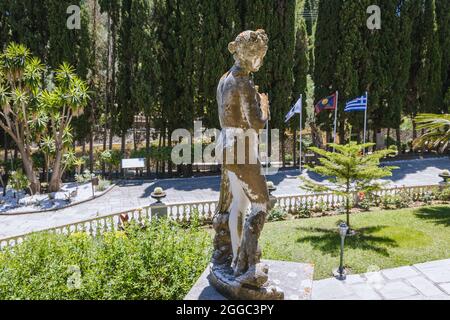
{"x": 37, "y": 111}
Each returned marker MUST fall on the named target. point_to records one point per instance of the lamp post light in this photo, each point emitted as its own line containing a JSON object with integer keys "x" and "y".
{"x": 340, "y": 273}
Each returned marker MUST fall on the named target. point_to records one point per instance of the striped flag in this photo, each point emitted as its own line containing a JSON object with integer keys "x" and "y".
{"x": 358, "y": 104}
{"x": 297, "y": 108}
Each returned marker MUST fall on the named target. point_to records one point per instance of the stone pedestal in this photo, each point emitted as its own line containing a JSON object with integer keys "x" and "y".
{"x": 294, "y": 279}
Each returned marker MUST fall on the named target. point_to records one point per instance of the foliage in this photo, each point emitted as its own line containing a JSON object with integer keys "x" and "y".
{"x": 276, "y": 214}
{"x": 303, "y": 212}
{"x": 161, "y": 262}
{"x": 37, "y": 109}
{"x": 111, "y": 158}
{"x": 349, "y": 171}
{"x": 396, "y": 201}
{"x": 427, "y": 197}
{"x": 103, "y": 184}
{"x": 18, "y": 180}
{"x": 437, "y": 135}
{"x": 85, "y": 177}
{"x": 444, "y": 194}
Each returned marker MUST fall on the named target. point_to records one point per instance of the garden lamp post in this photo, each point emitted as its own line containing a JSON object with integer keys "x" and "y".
{"x": 340, "y": 273}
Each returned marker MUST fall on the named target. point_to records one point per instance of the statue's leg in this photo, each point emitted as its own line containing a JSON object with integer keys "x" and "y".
{"x": 239, "y": 206}
{"x": 255, "y": 188}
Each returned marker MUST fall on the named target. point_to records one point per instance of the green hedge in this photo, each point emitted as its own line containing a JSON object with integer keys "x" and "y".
{"x": 162, "y": 261}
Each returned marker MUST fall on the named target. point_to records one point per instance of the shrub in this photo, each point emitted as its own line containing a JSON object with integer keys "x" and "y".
{"x": 427, "y": 197}
{"x": 84, "y": 177}
{"x": 18, "y": 181}
{"x": 276, "y": 214}
{"x": 303, "y": 212}
{"x": 161, "y": 262}
{"x": 320, "y": 206}
{"x": 396, "y": 201}
{"x": 103, "y": 184}
{"x": 444, "y": 194}
{"x": 365, "y": 204}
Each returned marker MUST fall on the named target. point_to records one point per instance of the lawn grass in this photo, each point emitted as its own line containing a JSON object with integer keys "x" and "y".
{"x": 385, "y": 239}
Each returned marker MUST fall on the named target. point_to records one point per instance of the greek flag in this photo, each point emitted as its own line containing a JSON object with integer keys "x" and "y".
{"x": 359, "y": 104}
{"x": 297, "y": 108}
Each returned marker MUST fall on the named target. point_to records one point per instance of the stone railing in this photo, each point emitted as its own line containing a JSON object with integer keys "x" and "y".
{"x": 183, "y": 212}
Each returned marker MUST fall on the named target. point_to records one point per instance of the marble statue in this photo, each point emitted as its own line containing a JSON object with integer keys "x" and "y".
{"x": 237, "y": 271}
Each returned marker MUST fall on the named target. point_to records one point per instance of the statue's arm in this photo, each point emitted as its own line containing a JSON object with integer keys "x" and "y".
{"x": 255, "y": 106}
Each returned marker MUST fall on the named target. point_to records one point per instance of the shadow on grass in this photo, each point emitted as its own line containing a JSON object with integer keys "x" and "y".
{"x": 437, "y": 215}
{"x": 329, "y": 240}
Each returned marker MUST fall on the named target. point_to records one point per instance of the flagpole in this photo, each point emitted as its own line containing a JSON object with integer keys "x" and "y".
{"x": 301, "y": 129}
{"x": 267, "y": 146}
{"x": 335, "y": 118}
{"x": 365, "y": 120}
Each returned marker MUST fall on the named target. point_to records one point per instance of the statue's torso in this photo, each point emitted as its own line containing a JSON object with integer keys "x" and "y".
{"x": 232, "y": 98}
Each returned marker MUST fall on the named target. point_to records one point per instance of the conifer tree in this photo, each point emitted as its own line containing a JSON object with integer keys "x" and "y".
{"x": 124, "y": 115}
{"x": 219, "y": 26}
{"x": 327, "y": 46}
{"x": 443, "y": 19}
{"x": 350, "y": 171}
{"x": 300, "y": 66}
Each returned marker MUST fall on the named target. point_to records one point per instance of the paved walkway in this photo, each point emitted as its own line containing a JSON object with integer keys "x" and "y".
{"x": 130, "y": 195}
{"x": 425, "y": 281}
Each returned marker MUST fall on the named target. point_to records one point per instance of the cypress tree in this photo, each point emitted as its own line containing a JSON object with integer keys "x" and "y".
{"x": 124, "y": 115}
{"x": 26, "y": 22}
{"x": 429, "y": 73}
{"x": 112, "y": 8}
{"x": 276, "y": 76}
{"x": 300, "y": 67}
{"x": 219, "y": 25}
{"x": 327, "y": 46}
{"x": 443, "y": 19}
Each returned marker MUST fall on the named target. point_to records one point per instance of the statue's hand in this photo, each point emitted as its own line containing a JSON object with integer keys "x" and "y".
{"x": 264, "y": 103}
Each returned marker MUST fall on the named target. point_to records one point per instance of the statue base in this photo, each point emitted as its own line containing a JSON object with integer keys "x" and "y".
{"x": 288, "y": 281}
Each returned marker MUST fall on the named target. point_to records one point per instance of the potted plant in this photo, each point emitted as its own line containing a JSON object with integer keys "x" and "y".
{"x": 445, "y": 174}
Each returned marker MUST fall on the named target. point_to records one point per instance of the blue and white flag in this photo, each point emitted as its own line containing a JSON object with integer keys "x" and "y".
{"x": 359, "y": 104}
{"x": 297, "y": 108}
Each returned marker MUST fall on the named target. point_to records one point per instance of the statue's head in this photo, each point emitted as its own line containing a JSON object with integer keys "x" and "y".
{"x": 249, "y": 49}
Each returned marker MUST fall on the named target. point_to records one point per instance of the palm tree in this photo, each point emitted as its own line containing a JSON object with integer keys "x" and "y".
{"x": 437, "y": 135}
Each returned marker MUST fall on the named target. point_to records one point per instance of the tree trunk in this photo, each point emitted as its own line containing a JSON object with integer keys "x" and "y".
{"x": 388, "y": 138}
{"x": 55, "y": 180}
{"x": 91, "y": 151}
{"x": 414, "y": 128}
{"x": 5, "y": 143}
{"x": 147, "y": 143}
{"x": 27, "y": 163}
{"x": 398, "y": 137}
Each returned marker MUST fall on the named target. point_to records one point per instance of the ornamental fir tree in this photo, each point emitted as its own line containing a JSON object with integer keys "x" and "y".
{"x": 349, "y": 171}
